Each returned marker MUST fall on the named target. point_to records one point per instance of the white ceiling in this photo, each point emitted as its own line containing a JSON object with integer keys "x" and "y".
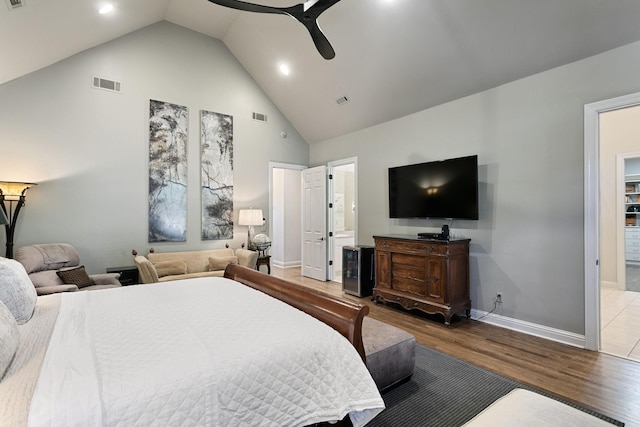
{"x": 393, "y": 57}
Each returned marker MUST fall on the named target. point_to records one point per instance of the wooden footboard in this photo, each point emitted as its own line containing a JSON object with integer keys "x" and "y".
{"x": 342, "y": 315}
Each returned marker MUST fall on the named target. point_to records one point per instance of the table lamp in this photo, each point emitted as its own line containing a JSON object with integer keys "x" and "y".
{"x": 250, "y": 217}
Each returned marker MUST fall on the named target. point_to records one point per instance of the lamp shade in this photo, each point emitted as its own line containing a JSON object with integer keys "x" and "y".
{"x": 250, "y": 217}
{"x": 3, "y": 218}
{"x": 14, "y": 190}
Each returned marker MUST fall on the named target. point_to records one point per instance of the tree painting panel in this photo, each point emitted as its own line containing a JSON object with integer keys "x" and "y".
{"x": 168, "y": 133}
{"x": 216, "y": 154}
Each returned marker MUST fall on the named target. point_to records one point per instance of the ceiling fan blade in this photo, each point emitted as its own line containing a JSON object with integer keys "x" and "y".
{"x": 250, "y": 7}
{"x": 306, "y": 13}
{"x": 318, "y": 6}
{"x": 320, "y": 40}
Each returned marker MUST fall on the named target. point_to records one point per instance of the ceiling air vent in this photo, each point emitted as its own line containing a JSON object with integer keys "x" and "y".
{"x": 342, "y": 100}
{"x": 260, "y": 117}
{"x": 14, "y": 4}
{"x": 106, "y": 84}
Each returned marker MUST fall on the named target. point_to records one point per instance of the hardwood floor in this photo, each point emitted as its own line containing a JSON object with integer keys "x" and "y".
{"x": 605, "y": 383}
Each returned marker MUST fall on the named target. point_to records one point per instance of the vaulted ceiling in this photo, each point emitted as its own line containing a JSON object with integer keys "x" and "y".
{"x": 393, "y": 57}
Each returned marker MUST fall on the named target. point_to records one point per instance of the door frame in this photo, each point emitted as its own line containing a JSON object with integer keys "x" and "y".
{"x": 330, "y": 214}
{"x": 592, "y": 211}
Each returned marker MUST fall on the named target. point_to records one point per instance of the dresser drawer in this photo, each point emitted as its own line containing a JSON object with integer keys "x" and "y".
{"x": 409, "y": 260}
{"x": 418, "y": 248}
{"x": 632, "y": 249}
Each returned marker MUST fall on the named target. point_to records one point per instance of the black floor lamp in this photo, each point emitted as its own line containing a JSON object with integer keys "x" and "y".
{"x": 14, "y": 193}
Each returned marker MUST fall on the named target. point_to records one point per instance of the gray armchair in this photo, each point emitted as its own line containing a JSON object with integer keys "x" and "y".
{"x": 42, "y": 263}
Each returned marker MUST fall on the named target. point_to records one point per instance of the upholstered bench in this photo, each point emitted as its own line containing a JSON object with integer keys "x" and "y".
{"x": 390, "y": 351}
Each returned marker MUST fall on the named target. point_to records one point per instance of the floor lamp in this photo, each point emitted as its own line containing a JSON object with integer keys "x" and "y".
{"x": 250, "y": 217}
{"x": 14, "y": 193}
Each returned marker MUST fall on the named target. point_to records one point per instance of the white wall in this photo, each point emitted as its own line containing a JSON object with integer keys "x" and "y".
{"x": 528, "y": 135}
{"x": 88, "y": 149}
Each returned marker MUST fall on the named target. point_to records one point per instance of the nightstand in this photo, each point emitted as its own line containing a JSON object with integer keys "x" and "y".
{"x": 128, "y": 274}
{"x": 264, "y": 260}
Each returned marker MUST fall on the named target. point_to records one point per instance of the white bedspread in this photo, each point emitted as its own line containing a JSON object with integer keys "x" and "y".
{"x": 206, "y": 351}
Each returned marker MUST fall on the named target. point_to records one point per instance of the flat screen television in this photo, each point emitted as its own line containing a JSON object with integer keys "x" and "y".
{"x": 441, "y": 189}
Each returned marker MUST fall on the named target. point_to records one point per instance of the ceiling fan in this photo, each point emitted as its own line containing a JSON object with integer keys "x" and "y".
{"x": 306, "y": 13}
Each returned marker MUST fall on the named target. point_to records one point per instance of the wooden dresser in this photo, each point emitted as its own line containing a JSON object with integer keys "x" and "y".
{"x": 427, "y": 275}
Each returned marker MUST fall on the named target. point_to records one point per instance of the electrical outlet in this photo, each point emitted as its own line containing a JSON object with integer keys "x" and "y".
{"x": 498, "y": 297}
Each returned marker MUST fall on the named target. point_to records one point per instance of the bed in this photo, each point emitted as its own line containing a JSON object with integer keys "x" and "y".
{"x": 246, "y": 349}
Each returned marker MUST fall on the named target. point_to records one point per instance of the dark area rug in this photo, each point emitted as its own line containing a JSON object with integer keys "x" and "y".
{"x": 445, "y": 391}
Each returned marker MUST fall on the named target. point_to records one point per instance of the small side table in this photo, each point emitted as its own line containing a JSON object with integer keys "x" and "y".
{"x": 264, "y": 260}
{"x": 128, "y": 274}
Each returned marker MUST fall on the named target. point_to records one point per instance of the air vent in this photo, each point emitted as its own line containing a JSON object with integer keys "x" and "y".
{"x": 14, "y": 4}
{"x": 342, "y": 100}
{"x": 106, "y": 84}
{"x": 260, "y": 117}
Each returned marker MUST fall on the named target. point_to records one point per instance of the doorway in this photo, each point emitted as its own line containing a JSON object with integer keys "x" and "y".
{"x": 285, "y": 214}
{"x": 620, "y": 232}
{"x": 593, "y": 249}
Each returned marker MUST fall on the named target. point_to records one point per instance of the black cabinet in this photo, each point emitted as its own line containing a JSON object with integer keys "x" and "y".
{"x": 358, "y": 270}
{"x": 128, "y": 275}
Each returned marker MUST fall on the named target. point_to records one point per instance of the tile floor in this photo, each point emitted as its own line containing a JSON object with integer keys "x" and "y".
{"x": 620, "y": 322}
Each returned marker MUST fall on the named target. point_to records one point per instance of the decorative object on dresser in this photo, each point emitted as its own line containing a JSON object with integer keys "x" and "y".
{"x": 428, "y": 275}
{"x": 14, "y": 193}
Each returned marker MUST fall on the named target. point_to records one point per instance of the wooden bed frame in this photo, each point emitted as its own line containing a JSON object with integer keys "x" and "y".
{"x": 342, "y": 315}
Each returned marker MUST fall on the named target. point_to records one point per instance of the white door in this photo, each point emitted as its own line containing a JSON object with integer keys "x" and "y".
{"x": 314, "y": 223}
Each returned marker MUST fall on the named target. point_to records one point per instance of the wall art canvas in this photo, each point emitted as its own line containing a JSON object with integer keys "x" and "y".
{"x": 168, "y": 135}
{"x": 216, "y": 175}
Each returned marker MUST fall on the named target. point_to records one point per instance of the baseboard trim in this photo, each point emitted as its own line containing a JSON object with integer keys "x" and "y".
{"x": 564, "y": 337}
{"x": 612, "y": 285}
{"x": 290, "y": 264}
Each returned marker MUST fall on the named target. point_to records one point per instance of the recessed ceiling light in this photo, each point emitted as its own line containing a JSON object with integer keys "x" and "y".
{"x": 105, "y": 9}
{"x": 284, "y": 69}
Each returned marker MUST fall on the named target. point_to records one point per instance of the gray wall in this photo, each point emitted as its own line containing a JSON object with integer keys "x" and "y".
{"x": 88, "y": 149}
{"x": 528, "y": 135}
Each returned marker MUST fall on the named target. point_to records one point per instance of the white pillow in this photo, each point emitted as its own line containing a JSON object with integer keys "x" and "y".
{"x": 9, "y": 337}
{"x": 16, "y": 290}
